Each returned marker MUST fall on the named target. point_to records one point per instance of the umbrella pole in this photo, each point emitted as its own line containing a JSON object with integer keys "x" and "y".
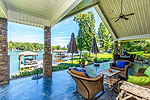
{"x": 72, "y": 60}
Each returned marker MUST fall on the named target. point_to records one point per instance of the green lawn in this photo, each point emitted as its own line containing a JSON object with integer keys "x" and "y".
{"x": 100, "y": 58}
{"x": 141, "y": 53}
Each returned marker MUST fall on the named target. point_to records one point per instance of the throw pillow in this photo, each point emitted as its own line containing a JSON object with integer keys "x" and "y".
{"x": 147, "y": 71}
{"x": 139, "y": 80}
{"x": 121, "y": 64}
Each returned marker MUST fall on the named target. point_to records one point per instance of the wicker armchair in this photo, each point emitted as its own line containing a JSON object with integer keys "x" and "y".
{"x": 88, "y": 87}
{"x": 123, "y": 72}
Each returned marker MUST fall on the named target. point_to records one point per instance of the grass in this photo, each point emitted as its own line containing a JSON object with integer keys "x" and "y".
{"x": 76, "y": 61}
{"x": 140, "y": 53}
{"x": 104, "y": 55}
{"x": 100, "y": 58}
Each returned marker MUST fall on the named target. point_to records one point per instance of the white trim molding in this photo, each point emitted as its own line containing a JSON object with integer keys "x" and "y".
{"x": 22, "y": 18}
{"x": 133, "y": 38}
{"x": 3, "y": 10}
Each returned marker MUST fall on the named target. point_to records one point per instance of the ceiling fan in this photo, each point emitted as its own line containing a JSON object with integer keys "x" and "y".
{"x": 122, "y": 16}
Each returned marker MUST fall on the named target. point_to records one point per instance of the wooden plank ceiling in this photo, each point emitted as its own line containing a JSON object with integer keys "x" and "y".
{"x": 137, "y": 27}
{"x": 49, "y": 12}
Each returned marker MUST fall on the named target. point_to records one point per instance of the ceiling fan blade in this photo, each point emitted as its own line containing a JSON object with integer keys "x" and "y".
{"x": 117, "y": 20}
{"x": 129, "y": 14}
{"x": 125, "y": 18}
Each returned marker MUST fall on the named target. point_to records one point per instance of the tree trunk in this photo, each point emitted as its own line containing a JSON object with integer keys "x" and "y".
{"x": 144, "y": 49}
{"x": 80, "y": 57}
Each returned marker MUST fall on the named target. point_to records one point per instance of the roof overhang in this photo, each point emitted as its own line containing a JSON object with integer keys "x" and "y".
{"x": 136, "y": 28}
{"x": 37, "y": 13}
{"x": 42, "y": 13}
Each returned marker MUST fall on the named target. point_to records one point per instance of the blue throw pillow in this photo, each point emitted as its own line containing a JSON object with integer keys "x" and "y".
{"x": 121, "y": 64}
{"x": 82, "y": 72}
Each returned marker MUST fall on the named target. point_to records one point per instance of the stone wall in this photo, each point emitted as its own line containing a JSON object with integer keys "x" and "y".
{"x": 4, "y": 58}
{"x": 47, "y": 60}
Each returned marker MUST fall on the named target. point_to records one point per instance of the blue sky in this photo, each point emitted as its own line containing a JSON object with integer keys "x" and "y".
{"x": 61, "y": 32}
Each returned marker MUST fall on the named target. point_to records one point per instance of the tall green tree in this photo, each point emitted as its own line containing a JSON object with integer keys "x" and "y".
{"x": 86, "y": 32}
{"x": 105, "y": 38}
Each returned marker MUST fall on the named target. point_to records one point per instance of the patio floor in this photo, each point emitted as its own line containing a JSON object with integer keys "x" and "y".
{"x": 59, "y": 87}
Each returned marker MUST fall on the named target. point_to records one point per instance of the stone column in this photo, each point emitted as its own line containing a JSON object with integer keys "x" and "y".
{"x": 47, "y": 61}
{"x": 121, "y": 48}
{"x": 116, "y": 48}
{"x": 4, "y": 58}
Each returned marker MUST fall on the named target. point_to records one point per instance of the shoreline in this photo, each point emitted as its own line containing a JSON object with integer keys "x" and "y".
{"x": 25, "y": 50}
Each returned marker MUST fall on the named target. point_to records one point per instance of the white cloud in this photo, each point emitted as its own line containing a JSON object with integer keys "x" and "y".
{"x": 63, "y": 41}
{"x": 34, "y": 36}
{"x": 61, "y": 32}
{"x": 66, "y": 21}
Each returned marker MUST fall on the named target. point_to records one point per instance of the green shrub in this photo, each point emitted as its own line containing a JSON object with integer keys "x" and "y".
{"x": 61, "y": 66}
{"x": 100, "y": 60}
{"x": 87, "y": 56}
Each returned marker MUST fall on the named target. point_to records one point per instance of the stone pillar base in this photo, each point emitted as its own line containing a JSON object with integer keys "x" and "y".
{"x": 47, "y": 62}
{"x": 4, "y": 70}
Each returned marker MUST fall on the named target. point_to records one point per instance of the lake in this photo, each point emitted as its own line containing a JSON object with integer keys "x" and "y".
{"x": 14, "y": 60}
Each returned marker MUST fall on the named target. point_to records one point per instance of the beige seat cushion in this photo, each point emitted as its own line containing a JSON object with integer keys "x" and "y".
{"x": 78, "y": 73}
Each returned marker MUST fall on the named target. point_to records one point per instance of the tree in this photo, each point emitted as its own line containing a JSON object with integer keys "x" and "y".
{"x": 105, "y": 38}
{"x": 25, "y": 46}
{"x": 58, "y": 47}
{"x": 53, "y": 48}
{"x": 10, "y": 46}
{"x": 86, "y": 31}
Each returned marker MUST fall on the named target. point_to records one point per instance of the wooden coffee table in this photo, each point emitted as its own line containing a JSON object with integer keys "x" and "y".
{"x": 109, "y": 79}
{"x": 129, "y": 90}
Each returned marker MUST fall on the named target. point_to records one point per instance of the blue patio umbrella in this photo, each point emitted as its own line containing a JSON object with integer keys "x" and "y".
{"x": 72, "y": 47}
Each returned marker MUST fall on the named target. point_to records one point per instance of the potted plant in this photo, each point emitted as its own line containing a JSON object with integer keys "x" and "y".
{"x": 95, "y": 60}
{"x": 83, "y": 63}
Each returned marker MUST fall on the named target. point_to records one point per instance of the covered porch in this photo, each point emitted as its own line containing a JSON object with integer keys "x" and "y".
{"x": 58, "y": 87}
{"x": 45, "y": 14}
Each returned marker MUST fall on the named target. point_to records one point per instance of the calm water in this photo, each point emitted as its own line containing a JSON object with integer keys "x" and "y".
{"x": 14, "y": 61}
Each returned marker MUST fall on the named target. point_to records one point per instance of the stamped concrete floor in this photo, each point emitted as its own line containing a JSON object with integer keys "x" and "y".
{"x": 58, "y": 87}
